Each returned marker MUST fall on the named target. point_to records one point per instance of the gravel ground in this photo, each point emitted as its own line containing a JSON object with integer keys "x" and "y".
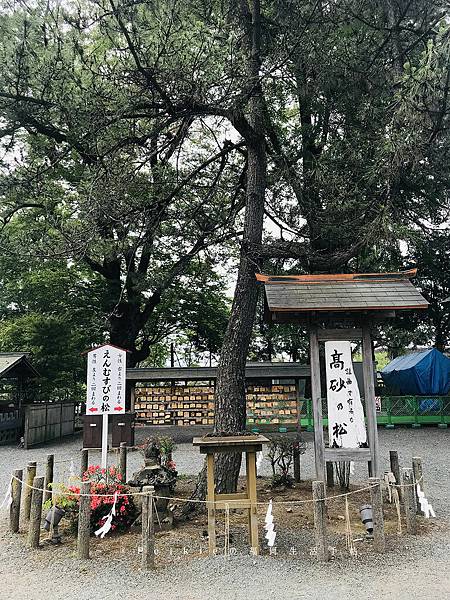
{"x": 419, "y": 565}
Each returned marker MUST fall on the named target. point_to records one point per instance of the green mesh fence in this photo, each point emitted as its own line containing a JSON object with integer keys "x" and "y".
{"x": 395, "y": 410}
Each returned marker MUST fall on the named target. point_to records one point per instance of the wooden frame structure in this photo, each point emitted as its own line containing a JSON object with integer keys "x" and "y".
{"x": 341, "y": 307}
{"x": 247, "y": 500}
{"x": 17, "y": 388}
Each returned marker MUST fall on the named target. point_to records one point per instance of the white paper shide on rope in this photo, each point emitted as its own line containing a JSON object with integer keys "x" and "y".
{"x": 346, "y": 425}
{"x": 106, "y": 381}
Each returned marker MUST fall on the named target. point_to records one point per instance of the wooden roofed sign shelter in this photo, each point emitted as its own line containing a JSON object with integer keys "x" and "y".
{"x": 340, "y": 309}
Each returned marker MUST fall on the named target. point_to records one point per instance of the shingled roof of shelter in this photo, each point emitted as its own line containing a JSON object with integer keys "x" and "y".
{"x": 342, "y": 292}
{"x": 12, "y": 363}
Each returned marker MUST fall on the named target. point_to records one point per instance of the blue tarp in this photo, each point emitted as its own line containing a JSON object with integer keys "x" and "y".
{"x": 419, "y": 373}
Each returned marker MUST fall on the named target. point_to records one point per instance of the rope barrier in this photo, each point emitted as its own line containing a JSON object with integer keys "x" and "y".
{"x": 197, "y": 501}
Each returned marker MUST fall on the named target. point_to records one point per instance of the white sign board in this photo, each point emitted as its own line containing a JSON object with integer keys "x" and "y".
{"x": 106, "y": 374}
{"x": 346, "y": 427}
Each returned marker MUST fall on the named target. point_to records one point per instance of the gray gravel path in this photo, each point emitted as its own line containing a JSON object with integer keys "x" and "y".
{"x": 419, "y": 566}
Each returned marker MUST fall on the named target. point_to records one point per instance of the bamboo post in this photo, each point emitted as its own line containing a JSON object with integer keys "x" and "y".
{"x": 49, "y": 468}
{"x": 330, "y": 474}
{"x": 409, "y": 496}
{"x": 418, "y": 478}
{"x": 376, "y": 499}
{"x": 148, "y": 530}
{"x": 84, "y": 521}
{"x": 14, "y": 509}
{"x": 395, "y": 469}
{"x": 84, "y": 461}
{"x": 123, "y": 460}
{"x": 31, "y": 474}
{"x": 36, "y": 512}
{"x": 320, "y": 520}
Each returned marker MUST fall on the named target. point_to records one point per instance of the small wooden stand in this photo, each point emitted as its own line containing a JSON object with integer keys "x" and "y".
{"x": 250, "y": 444}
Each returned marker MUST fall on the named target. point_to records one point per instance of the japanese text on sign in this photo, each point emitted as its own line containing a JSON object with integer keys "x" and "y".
{"x": 346, "y": 427}
{"x": 106, "y": 381}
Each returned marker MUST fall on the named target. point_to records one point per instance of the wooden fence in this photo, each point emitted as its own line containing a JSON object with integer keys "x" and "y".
{"x": 48, "y": 421}
{"x": 402, "y": 488}
{"x": 10, "y": 425}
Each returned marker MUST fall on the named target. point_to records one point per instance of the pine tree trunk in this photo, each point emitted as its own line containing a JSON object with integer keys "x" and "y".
{"x": 230, "y": 403}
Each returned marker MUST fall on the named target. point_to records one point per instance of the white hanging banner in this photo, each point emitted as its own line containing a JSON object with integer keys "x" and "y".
{"x": 105, "y": 528}
{"x": 7, "y": 500}
{"x": 346, "y": 426}
{"x": 106, "y": 380}
{"x": 270, "y": 527}
{"x": 259, "y": 460}
{"x": 425, "y": 506}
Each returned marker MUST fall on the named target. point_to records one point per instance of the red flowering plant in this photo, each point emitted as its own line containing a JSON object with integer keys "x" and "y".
{"x": 105, "y": 484}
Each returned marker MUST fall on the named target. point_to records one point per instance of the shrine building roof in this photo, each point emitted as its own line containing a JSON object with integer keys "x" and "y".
{"x": 13, "y": 364}
{"x": 345, "y": 292}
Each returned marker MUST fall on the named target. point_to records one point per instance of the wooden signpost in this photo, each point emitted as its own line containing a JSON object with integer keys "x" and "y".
{"x": 340, "y": 449}
{"x": 106, "y": 373}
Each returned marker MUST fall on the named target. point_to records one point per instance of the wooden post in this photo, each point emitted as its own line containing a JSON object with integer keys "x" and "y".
{"x": 49, "y": 476}
{"x": 253, "y": 511}
{"x": 46, "y": 426}
{"x": 316, "y": 395}
{"x": 298, "y": 427}
{"x": 132, "y": 396}
{"x": 26, "y": 431}
{"x": 376, "y": 498}
{"x": 148, "y": 529}
{"x": 299, "y": 402}
{"x": 210, "y": 505}
{"x": 34, "y": 530}
{"x": 395, "y": 469}
{"x": 418, "y": 471}
{"x": 369, "y": 396}
{"x": 31, "y": 474}
{"x": 84, "y": 461}
{"x": 61, "y": 420}
{"x": 395, "y": 466}
{"x": 14, "y": 509}
{"x": 409, "y": 496}
{"x": 320, "y": 520}
{"x": 123, "y": 460}
{"x": 296, "y": 459}
{"x": 104, "y": 462}
{"x": 418, "y": 478}
{"x": 330, "y": 474}
{"x": 84, "y": 521}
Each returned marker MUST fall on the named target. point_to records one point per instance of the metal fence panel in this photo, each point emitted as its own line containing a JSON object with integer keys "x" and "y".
{"x": 396, "y": 410}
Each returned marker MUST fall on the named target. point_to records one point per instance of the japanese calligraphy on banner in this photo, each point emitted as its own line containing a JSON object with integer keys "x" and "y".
{"x": 106, "y": 373}
{"x": 346, "y": 426}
